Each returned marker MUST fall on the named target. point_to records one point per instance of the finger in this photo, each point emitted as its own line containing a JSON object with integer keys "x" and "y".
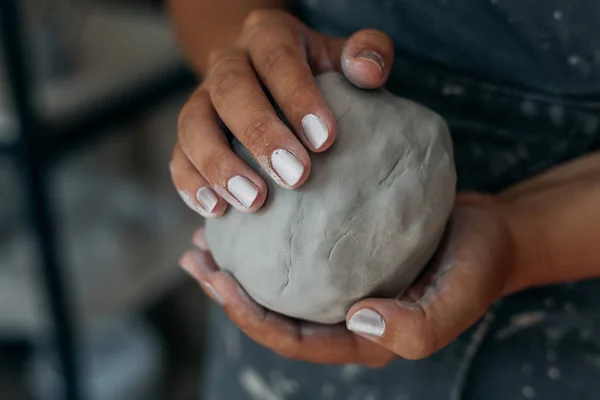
{"x": 465, "y": 284}
{"x": 266, "y": 328}
{"x": 199, "y": 239}
{"x": 290, "y": 338}
{"x": 287, "y": 337}
{"x": 367, "y": 57}
{"x": 245, "y": 109}
{"x": 196, "y": 265}
{"x": 193, "y": 188}
{"x": 204, "y": 144}
{"x": 279, "y": 58}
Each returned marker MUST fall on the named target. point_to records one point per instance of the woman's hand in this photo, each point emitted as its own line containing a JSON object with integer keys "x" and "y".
{"x": 278, "y": 54}
{"x": 472, "y": 268}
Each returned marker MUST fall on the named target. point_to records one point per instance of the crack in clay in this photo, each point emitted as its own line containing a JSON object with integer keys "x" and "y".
{"x": 289, "y": 269}
{"x": 336, "y": 243}
{"x": 293, "y": 225}
{"x": 427, "y": 157}
{"x": 389, "y": 174}
{"x": 344, "y": 114}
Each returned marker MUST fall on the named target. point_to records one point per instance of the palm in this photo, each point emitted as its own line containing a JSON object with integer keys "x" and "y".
{"x": 469, "y": 271}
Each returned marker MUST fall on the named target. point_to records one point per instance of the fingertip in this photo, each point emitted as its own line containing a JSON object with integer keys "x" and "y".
{"x": 364, "y": 73}
{"x": 199, "y": 239}
{"x": 319, "y": 130}
{"x": 288, "y": 167}
{"x": 367, "y": 58}
{"x": 375, "y": 304}
{"x": 220, "y": 209}
{"x": 211, "y": 204}
{"x": 245, "y": 193}
{"x": 196, "y": 265}
{"x": 378, "y": 319}
{"x": 239, "y": 304}
{"x": 366, "y": 322}
{"x": 191, "y": 262}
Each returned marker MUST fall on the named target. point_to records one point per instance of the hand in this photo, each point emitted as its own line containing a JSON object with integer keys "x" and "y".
{"x": 276, "y": 52}
{"x": 472, "y": 268}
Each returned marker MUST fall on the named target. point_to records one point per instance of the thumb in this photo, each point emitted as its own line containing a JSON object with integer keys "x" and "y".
{"x": 417, "y": 329}
{"x": 461, "y": 283}
{"x": 365, "y": 58}
{"x": 406, "y": 328}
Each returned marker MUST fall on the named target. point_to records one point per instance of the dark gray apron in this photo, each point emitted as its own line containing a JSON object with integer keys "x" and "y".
{"x": 518, "y": 82}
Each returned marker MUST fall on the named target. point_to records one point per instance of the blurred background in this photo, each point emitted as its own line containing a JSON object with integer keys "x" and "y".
{"x": 90, "y": 226}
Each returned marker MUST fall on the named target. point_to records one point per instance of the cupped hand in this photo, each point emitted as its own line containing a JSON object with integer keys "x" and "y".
{"x": 472, "y": 268}
{"x": 276, "y": 54}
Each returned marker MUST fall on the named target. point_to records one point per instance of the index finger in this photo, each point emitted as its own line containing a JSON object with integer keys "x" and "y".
{"x": 279, "y": 57}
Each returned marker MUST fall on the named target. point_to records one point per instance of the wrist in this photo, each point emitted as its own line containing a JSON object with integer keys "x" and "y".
{"x": 527, "y": 246}
{"x": 502, "y": 226}
{"x": 553, "y": 230}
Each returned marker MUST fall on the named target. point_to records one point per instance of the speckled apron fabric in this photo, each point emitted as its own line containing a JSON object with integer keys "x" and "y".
{"x": 519, "y": 83}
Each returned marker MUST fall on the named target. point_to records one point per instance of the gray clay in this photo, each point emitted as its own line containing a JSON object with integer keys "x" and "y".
{"x": 365, "y": 223}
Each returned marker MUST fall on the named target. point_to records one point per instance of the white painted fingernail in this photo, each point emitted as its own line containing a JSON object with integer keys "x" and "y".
{"x": 288, "y": 167}
{"x": 189, "y": 201}
{"x": 214, "y": 294}
{"x": 244, "y": 191}
{"x": 315, "y": 130}
{"x": 207, "y": 198}
{"x": 373, "y": 57}
{"x": 367, "y": 322}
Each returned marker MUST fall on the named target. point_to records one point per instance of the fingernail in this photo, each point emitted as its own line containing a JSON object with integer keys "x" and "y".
{"x": 375, "y": 58}
{"x": 189, "y": 201}
{"x": 367, "y": 322}
{"x": 288, "y": 167}
{"x": 207, "y": 198}
{"x": 213, "y": 293}
{"x": 244, "y": 191}
{"x": 315, "y": 130}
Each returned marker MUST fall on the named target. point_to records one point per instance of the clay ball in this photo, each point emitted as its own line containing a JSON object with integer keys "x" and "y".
{"x": 364, "y": 224}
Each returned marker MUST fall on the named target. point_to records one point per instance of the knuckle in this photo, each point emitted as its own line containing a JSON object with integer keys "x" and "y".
{"x": 257, "y": 17}
{"x": 301, "y": 96}
{"x": 209, "y": 161}
{"x": 256, "y": 129}
{"x": 215, "y": 55}
{"x": 225, "y": 59}
{"x": 189, "y": 113}
{"x": 262, "y": 25}
{"x": 223, "y": 83}
{"x": 183, "y": 121}
{"x": 278, "y": 54}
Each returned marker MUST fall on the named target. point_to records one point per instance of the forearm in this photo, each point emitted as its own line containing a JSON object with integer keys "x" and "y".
{"x": 206, "y": 25}
{"x": 555, "y": 223}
